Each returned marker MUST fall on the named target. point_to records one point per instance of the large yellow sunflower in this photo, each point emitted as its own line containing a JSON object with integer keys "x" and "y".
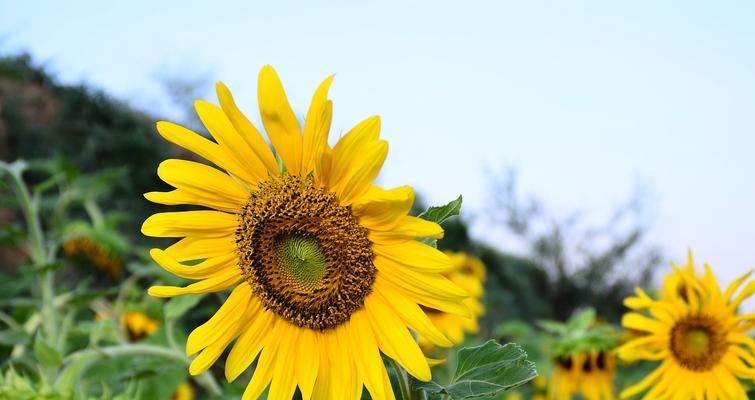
{"x": 467, "y": 272}
{"x": 326, "y": 270}
{"x": 696, "y": 333}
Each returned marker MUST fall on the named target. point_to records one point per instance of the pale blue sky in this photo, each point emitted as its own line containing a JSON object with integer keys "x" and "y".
{"x": 585, "y": 99}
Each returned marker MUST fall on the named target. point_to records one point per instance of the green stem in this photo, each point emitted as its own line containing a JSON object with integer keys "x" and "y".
{"x": 79, "y": 362}
{"x": 37, "y": 244}
{"x": 403, "y": 380}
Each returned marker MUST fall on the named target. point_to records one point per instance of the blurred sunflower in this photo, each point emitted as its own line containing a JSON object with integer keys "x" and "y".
{"x": 588, "y": 374}
{"x": 694, "y": 329}
{"x": 138, "y": 325}
{"x": 467, "y": 272}
{"x": 98, "y": 254}
{"x": 584, "y": 363}
{"x": 183, "y": 392}
{"x": 325, "y": 265}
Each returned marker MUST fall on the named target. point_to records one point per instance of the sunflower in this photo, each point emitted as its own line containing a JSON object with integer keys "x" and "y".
{"x": 138, "y": 325}
{"x": 587, "y": 374}
{"x": 325, "y": 269}
{"x": 184, "y": 391}
{"x": 96, "y": 253}
{"x": 467, "y": 272}
{"x": 696, "y": 333}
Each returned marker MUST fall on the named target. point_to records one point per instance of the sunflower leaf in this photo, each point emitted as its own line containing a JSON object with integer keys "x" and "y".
{"x": 46, "y": 354}
{"x": 483, "y": 371}
{"x": 438, "y": 214}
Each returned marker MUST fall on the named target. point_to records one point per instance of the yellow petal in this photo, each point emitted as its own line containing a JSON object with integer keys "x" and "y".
{"x": 426, "y": 284}
{"x": 216, "y": 283}
{"x": 279, "y": 120}
{"x": 361, "y": 172}
{"x": 412, "y": 315}
{"x": 307, "y": 362}
{"x": 283, "y": 384}
{"x": 206, "y": 184}
{"x": 317, "y": 126}
{"x": 394, "y": 339}
{"x": 226, "y": 316}
{"x": 179, "y": 197}
{"x": 220, "y": 127}
{"x": 249, "y": 344}
{"x": 186, "y": 223}
{"x": 380, "y": 209}
{"x": 364, "y": 349}
{"x": 450, "y": 305}
{"x": 642, "y": 323}
{"x": 415, "y": 255}
{"x": 201, "y": 247}
{"x": 263, "y": 373}
{"x": 197, "y": 144}
{"x": 205, "y": 269}
{"x": 408, "y": 228}
{"x": 248, "y": 131}
{"x": 350, "y": 146}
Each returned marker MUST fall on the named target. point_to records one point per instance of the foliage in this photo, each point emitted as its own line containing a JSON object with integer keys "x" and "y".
{"x": 483, "y": 372}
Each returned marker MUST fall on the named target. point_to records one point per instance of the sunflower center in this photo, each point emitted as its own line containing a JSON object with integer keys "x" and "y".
{"x": 305, "y": 256}
{"x": 302, "y": 259}
{"x": 698, "y": 342}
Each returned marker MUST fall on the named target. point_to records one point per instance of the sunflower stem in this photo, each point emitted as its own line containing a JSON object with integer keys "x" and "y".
{"x": 38, "y": 252}
{"x": 403, "y": 380}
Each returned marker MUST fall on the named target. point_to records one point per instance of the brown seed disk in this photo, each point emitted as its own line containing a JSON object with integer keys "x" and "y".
{"x": 290, "y": 206}
{"x": 698, "y": 342}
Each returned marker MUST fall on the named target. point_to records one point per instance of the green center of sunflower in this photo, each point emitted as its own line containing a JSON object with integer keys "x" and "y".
{"x": 302, "y": 259}
{"x": 305, "y": 255}
{"x": 698, "y": 342}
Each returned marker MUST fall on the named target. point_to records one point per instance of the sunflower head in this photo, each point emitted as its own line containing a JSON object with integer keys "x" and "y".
{"x": 138, "y": 324}
{"x": 583, "y": 357}
{"x": 695, "y": 331}
{"x": 326, "y": 269}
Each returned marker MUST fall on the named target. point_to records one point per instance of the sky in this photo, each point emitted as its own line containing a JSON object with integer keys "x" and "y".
{"x": 586, "y": 100}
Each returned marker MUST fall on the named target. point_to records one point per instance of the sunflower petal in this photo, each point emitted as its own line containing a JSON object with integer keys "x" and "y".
{"x": 414, "y": 255}
{"x": 279, "y": 119}
{"x": 203, "y": 270}
{"x": 380, "y": 209}
{"x": 412, "y": 315}
{"x": 394, "y": 339}
{"x": 317, "y": 126}
{"x": 216, "y": 283}
{"x": 207, "y": 223}
{"x": 248, "y": 131}
{"x": 248, "y": 345}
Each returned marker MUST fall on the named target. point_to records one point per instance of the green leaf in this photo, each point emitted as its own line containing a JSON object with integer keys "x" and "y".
{"x": 178, "y": 306}
{"x": 46, "y": 354}
{"x": 483, "y": 371}
{"x": 439, "y": 214}
{"x": 582, "y": 320}
{"x": 103, "y": 330}
{"x": 12, "y": 337}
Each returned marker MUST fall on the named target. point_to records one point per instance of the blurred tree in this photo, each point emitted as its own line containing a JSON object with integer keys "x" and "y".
{"x": 566, "y": 264}
{"x": 40, "y": 118}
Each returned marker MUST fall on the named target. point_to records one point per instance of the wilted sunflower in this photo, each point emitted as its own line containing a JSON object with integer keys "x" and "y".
{"x": 325, "y": 265}
{"x": 695, "y": 331}
{"x": 587, "y": 374}
{"x": 467, "y": 272}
